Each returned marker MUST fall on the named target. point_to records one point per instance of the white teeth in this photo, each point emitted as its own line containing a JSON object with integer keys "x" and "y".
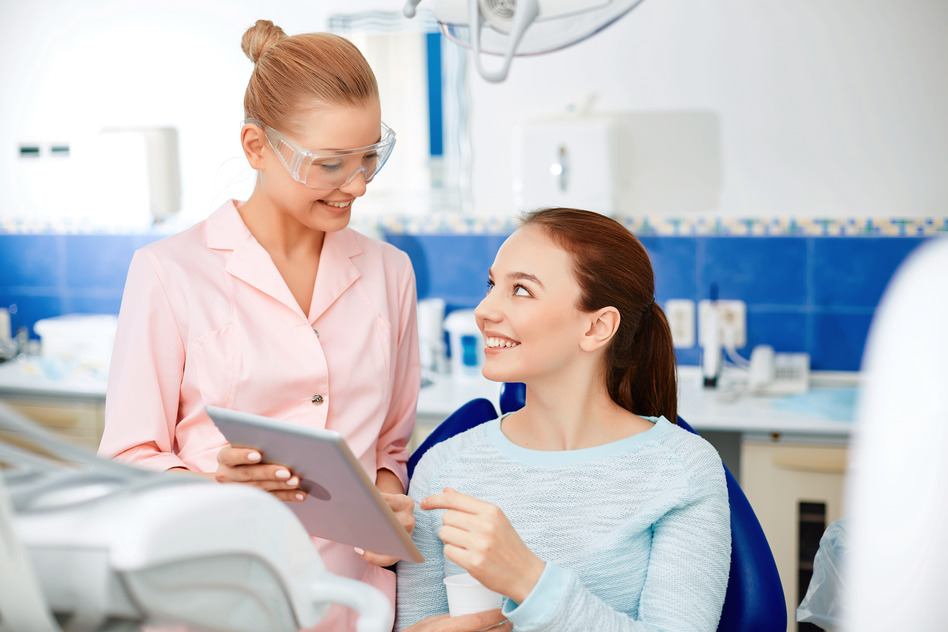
{"x": 339, "y": 204}
{"x": 496, "y": 343}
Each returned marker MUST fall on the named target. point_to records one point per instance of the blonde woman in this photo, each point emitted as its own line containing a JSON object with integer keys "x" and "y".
{"x": 273, "y": 306}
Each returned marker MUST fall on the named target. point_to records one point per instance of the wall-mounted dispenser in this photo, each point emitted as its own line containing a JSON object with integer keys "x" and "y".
{"x": 621, "y": 163}
{"x": 567, "y": 162}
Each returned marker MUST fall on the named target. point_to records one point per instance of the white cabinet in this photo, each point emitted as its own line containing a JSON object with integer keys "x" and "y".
{"x": 796, "y": 490}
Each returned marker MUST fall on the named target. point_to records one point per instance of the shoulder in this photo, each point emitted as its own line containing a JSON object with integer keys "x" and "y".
{"x": 454, "y": 452}
{"x": 376, "y": 249}
{"x": 179, "y": 245}
{"x": 177, "y": 256}
{"x": 697, "y": 460}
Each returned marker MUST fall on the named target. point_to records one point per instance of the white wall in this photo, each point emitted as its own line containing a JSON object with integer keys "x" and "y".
{"x": 826, "y": 107}
{"x": 74, "y": 67}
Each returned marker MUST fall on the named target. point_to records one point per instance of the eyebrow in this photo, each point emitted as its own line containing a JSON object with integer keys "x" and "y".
{"x": 520, "y": 276}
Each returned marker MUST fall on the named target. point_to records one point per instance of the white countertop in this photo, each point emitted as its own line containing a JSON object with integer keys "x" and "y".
{"x": 726, "y": 409}
{"x": 39, "y": 378}
{"x": 731, "y": 409}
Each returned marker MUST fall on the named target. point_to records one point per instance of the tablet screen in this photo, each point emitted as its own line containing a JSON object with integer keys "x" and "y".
{"x": 342, "y": 503}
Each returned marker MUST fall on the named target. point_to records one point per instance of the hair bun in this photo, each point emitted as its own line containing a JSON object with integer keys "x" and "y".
{"x": 260, "y": 37}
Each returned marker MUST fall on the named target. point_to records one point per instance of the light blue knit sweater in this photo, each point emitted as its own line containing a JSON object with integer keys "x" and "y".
{"x": 635, "y": 534}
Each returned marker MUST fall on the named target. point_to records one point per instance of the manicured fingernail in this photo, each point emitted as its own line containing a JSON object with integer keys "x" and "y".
{"x": 254, "y": 457}
{"x": 299, "y": 497}
{"x": 359, "y": 551}
{"x": 282, "y": 473}
{"x": 293, "y": 482}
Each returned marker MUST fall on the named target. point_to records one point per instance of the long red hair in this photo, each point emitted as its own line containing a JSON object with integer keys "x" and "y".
{"x": 613, "y": 269}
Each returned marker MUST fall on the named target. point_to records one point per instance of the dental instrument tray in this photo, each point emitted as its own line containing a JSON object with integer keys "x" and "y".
{"x": 342, "y": 504}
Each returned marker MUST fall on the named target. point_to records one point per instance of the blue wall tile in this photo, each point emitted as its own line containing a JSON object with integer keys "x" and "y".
{"x": 839, "y": 340}
{"x": 100, "y": 261}
{"x": 674, "y": 260}
{"x": 855, "y": 272}
{"x": 690, "y": 356}
{"x": 31, "y": 261}
{"x": 94, "y": 302}
{"x": 452, "y": 267}
{"x": 781, "y": 329}
{"x": 813, "y": 294}
{"x": 759, "y": 270}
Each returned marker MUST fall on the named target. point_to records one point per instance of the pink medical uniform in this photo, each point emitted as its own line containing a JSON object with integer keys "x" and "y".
{"x": 207, "y": 318}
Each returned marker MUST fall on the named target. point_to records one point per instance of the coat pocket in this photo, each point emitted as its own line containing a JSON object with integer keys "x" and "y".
{"x": 216, "y": 362}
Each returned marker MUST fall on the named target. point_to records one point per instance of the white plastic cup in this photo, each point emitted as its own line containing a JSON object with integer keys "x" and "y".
{"x": 466, "y": 595}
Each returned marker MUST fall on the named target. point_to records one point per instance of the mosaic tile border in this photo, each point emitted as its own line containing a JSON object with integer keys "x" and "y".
{"x": 689, "y": 227}
{"x": 455, "y": 223}
{"x": 79, "y": 226}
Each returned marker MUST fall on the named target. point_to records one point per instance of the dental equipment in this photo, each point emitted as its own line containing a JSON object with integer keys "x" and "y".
{"x": 521, "y": 27}
{"x": 92, "y": 545}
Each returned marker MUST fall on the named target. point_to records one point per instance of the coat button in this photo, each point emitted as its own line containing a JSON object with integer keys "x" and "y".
{"x": 315, "y": 331}
{"x": 317, "y": 399}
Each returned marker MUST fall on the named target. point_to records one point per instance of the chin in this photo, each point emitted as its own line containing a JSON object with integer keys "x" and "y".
{"x": 495, "y": 375}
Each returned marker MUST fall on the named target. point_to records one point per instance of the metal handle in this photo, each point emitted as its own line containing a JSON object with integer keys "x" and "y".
{"x": 560, "y": 169}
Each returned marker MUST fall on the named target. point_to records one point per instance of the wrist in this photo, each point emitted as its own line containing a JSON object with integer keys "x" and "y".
{"x": 528, "y": 580}
{"x": 387, "y": 481}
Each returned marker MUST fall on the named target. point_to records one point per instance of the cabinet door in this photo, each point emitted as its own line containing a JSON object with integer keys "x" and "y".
{"x": 79, "y": 422}
{"x": 795, "y": 490}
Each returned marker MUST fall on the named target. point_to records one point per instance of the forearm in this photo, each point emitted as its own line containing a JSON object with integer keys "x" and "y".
{"x": 387, "y": 481}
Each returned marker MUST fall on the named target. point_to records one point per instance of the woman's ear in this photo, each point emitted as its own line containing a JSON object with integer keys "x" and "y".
{"x": 252, "y": 140}
{"x": 603, "y": 325}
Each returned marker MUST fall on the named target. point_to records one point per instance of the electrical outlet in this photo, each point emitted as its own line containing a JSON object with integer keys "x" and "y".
{"x": 680, "y": 313}
{"x": 732, "y": 320}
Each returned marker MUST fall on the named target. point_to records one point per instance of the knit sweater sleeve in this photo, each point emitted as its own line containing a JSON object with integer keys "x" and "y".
{"x": 420, "y": 591}
{"x": 687, "y": 570}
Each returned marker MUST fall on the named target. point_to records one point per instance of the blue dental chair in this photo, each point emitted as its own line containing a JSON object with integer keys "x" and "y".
{"x": 754, "y": 601}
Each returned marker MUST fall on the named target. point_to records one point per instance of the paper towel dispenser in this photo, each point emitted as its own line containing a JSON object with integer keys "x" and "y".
{"x": 620, "y": 163}
{"x": 566, "y": 162}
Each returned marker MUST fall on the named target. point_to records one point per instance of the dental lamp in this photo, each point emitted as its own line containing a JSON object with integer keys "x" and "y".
{"x": 88, "y": 544}
{"x": 521, "y": 27}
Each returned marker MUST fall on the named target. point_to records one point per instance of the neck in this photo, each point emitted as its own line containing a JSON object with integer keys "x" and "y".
{"x": 570, "y": 413}
{"x": 279, "y": 232}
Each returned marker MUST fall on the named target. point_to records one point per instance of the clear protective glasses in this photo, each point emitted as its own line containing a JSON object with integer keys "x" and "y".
{"x": 329, "y": 168}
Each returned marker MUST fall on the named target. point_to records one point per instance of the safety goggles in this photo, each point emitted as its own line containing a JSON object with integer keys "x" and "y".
{"x": 329, "y": 169}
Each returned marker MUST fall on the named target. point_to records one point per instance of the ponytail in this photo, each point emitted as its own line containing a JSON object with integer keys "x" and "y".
{"x": 642, "y": 377}
{"x": 612, "y": 268}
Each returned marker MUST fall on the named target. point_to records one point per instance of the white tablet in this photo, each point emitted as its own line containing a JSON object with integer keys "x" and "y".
{"x": 342, "y": 504}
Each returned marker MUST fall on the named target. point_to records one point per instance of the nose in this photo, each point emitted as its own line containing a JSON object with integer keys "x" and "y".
{"x": 356, "y": 185}
{"x": 486, "y": 311}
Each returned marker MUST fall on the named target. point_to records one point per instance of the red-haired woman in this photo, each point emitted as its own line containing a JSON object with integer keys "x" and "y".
{"x": 589, "y": 509}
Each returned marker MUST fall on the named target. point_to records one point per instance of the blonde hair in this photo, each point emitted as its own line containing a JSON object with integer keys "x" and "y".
{"x": 294, "y": 73}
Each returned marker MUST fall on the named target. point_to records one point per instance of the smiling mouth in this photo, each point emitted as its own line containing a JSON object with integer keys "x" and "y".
{"x": 337, "y": 204}
{"x": 500, "y": 343}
